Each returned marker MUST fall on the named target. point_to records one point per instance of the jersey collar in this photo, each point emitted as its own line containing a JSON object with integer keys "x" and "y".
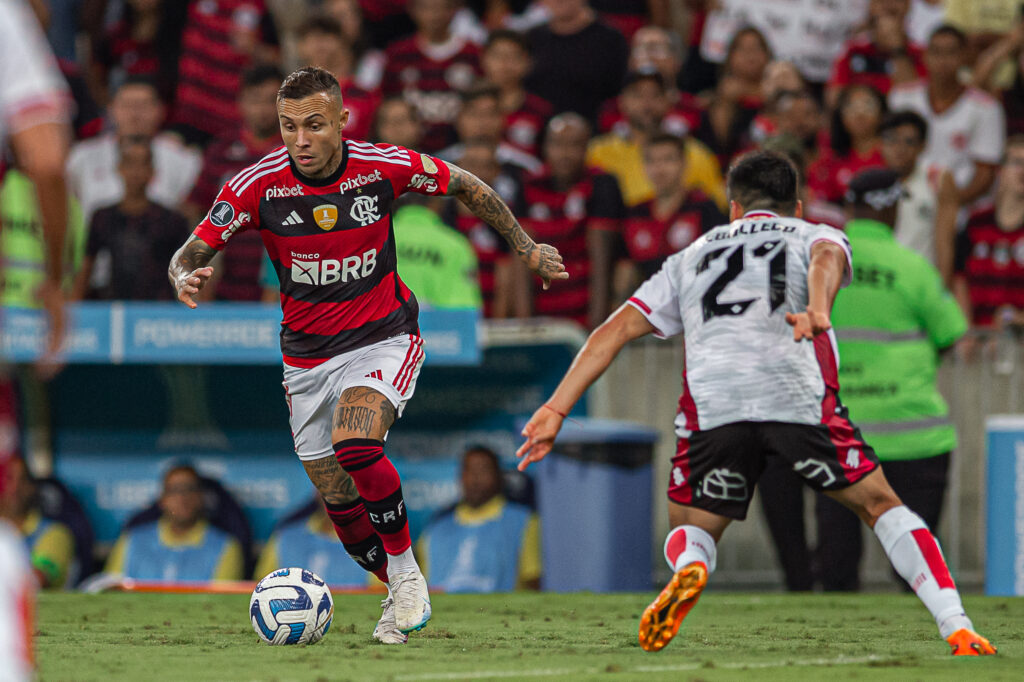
{"x": 760, "y": 214}
{"x": 321, "y": 182}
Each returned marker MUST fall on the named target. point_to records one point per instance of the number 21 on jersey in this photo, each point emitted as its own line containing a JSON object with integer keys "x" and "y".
{"x": 736, "y": 259}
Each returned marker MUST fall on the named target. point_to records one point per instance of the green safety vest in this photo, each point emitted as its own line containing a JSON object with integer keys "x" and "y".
{"x": 22, "y": 252}
{"x": 891, "y": 322}
{"x": 435, "y": 261}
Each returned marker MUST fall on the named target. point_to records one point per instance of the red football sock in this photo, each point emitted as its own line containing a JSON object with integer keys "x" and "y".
{"x": 380, "y": 487}
{"x": 361, "y": 541}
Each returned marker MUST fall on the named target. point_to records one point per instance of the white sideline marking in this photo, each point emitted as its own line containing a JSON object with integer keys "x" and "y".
{"x": 679, "y": 667}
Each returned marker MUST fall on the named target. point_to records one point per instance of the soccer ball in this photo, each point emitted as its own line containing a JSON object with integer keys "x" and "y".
{"x": 291, "y": 606}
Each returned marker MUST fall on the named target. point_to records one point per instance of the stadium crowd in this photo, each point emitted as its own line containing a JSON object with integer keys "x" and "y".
{"x": 606, "y": 125}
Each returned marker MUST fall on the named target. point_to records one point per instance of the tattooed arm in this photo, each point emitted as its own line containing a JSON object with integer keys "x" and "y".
{"x": 189, "y": 269}
{"x": 485, "y": 204}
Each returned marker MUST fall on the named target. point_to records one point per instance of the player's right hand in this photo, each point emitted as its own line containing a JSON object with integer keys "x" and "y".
{"x": 546, "y": 262}
{"x": 808, "y": 324}
{"x": 189, "y": 285}
{"x": 540, "y": 434}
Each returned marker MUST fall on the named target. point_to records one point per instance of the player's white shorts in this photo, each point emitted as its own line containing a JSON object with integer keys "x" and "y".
{"x": 390, "y": 366}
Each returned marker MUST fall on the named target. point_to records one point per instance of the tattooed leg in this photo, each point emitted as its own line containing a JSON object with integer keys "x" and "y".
{"x": 331, "y": 481}
{"x": 362, "y": 412}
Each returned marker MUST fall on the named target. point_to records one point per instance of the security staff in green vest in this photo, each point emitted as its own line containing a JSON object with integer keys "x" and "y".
{"x": 893, "y": 324}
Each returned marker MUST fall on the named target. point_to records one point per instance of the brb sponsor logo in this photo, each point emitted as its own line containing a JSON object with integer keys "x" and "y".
{"x": 310, "y": 269}
{"x": 280, "y": 192}
{"x": 359, "y": 181}
{"x": 424, "y": 182}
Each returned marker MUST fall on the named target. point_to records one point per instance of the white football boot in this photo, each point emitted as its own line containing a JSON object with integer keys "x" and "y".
{"x": 386, "y": 631}
{"x": 412, "y": 601}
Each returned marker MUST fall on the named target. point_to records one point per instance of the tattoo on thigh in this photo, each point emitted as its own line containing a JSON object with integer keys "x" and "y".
{"x": 357, "y": 419}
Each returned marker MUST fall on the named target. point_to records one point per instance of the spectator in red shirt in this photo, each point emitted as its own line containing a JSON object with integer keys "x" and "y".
{"x": 668, "y": 223}
{"x": 566, "y": 204}
{"x": 854, "y": 143}
{"x": 506, "y": 61}
{"x": 322, "y": 43}
{"x": 220, "y": 40}
{"x": 480, "y": 119}
{"x": 779, "y": 77}
{"x": 880, "y": 57}
{"x": 431, "y": 68}
{"x": 238, "y": 277}
{"x": 989, "y": 279}
{"x": 397, "y": 122}
{"x": 655, "y": 48}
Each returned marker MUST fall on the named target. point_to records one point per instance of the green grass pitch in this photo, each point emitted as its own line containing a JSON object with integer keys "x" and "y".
{"x": 728, "y": 636}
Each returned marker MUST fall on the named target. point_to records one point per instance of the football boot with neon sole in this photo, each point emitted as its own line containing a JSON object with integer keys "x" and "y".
{"x": 661, "y": 620}
{"x": 966, "y": 642}
{"x": 387, "y": 631}
{"x": 412, "y": 601}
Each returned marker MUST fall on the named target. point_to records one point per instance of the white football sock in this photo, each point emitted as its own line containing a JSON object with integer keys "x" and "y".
{"x": 686, "y": 544}
{"x": 402, "y": 563}
{"x": 916, "y": 556}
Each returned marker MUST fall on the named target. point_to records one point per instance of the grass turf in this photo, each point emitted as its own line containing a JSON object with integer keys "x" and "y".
{"x": 530, "y": 636}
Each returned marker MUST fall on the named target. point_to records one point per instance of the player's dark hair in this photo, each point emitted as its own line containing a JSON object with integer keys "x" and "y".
{"x": 764, "y": 180}
{"x": 260, "y": 74}
{"x": 480, "y": 90}
{"x": 840, "y": 141}
{"x": 320, "y": 23}
{"x": 309, "y": 80}
{"x": 898, "y": 119}
{"x": 950, "y": 30}
{"x": 667, "y": 138}
{"x": 510, "y": 36}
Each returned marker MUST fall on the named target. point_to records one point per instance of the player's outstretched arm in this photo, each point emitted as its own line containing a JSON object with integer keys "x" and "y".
{"x": 190, "y": 269}
{"x": 485, "y": 204}
{"x": 824, "y": 276}
{"x": 604, "y": 343}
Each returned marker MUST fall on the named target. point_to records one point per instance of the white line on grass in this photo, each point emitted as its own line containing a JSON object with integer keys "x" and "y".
{"x": 679, "y": 667}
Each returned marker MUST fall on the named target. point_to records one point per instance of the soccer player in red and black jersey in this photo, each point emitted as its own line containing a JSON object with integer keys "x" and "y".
{"x": 350, "y": 339}
{"x": 567, "y": 202}
{"x": 676, "y": 216}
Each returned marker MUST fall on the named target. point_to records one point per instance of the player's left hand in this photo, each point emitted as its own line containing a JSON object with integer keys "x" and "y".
{"x": 546, "y": 262}
{"x": 540, "y": 434}
{"x": 808, "y": 324}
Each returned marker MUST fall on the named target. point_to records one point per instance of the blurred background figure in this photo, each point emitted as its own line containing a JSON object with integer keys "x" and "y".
{"x": 506, "y": 62}
{"x": 369, "y": 60}
{"x": 480, "y": 118}
{"x": 578, "y": 61}
{"x": 181, "y": 545}
{"x": 966, "y": 127}
{"x": 926, "y": 221}
{"x": 485, "y": 543}
{"x": 398, "y": 122}
{"x": 575, "y": 209}
{"x": 135, "y": 112}
{"x": 431, "y": 68}
{"x": 306, "y": 538}
{"x": 989, "y": 262}
{"x": 50, "y": 543}
{"x": 130, "y": 241}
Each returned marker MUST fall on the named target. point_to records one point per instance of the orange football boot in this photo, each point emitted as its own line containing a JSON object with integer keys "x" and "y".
{"x": 661, "y": 620}
{"x": 969, "y": 643}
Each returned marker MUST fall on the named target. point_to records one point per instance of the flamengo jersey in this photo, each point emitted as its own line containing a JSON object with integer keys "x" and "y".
{"x": 331, "y": 243}
{"x": 728, "y": 294}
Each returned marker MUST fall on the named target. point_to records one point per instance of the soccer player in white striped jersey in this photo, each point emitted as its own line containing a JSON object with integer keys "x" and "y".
{"x": 752, "y": 299}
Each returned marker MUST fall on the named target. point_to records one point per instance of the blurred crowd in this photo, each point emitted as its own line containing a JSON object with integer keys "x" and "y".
{"x": 606, "y": 125}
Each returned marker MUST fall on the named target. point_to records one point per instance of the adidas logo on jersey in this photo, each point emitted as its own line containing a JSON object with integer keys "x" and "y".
{"x": 293, "y": 219}
{"x": 359, "y": 181}
{"x": 278, "y": 192}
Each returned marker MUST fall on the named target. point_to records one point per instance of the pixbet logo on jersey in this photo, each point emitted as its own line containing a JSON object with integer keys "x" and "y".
{"x": 309, "y": 268}
{"x": 358, "y": 181}
{"x": 279, "y": 192}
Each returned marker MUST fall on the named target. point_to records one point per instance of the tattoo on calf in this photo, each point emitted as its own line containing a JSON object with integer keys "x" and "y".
{"x": 331, "y": 481}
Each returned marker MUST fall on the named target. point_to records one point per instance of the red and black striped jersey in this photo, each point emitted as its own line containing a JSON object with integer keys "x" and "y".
{"x": 561, "y": 217}
{"x": 431, "y": 79}
{"x": 991, "y": 259}
{"x": 650, "y": 240}
{"x": 331, "y": 242}
{"x": 524, "y": 125}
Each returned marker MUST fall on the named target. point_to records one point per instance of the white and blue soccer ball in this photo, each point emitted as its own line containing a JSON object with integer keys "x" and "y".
{"x": 291, "y": 606}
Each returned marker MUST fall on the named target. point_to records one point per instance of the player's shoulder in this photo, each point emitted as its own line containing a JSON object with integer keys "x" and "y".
{"x": 380, "y": 156}
{"x": 252, "y": 177}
